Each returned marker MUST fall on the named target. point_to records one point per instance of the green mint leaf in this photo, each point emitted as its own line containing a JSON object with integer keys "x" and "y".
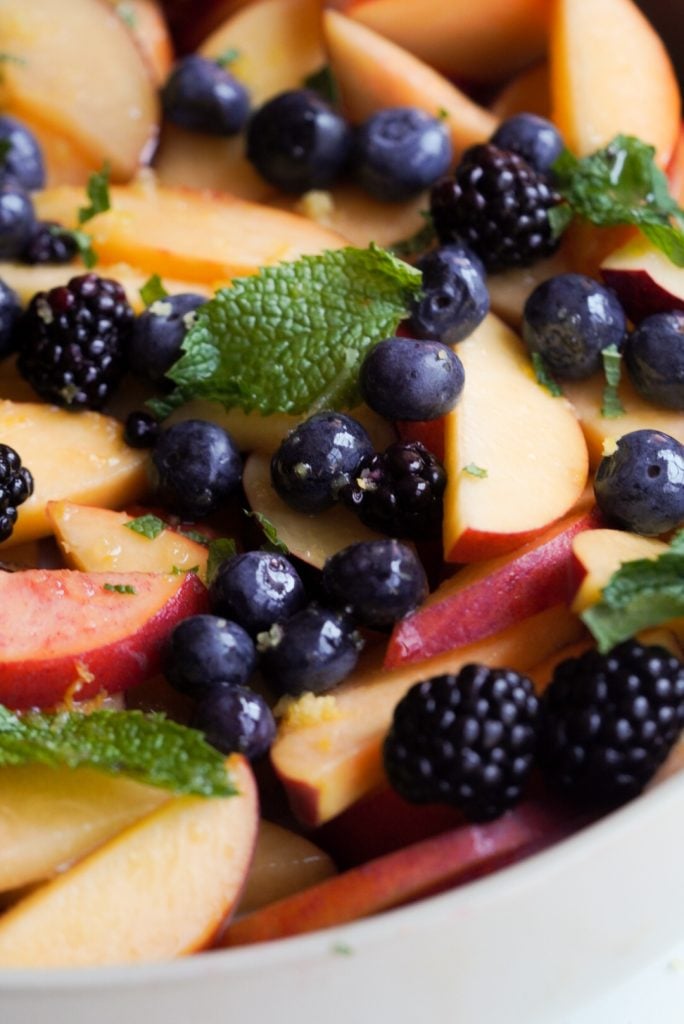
{"x": 97, "y": 191}
{"x": 323, "y": 82}
{"x": 84, "y": 244}
{"x": 677, "y": 542}
{"x": 270, "y": 532}
{"x": 120, "y": 588}
{"x": 163, "y": 407}
{"x": 228, "y": 57}
{"x": 145, "y": 747}
{"x": 176, "y": 570}
{"x": 611, "y": 406}
{"x": 544, "y": 378}
{"x": 149, "y": 526}
{"x": 127, "y": 14}
{"x": 5, "y": 146}
{"x": 291, "y": 338}
{"x": 219, "y": 551}
{"x": 560, "y": 217}
{"x": 643, "y": 593}
{"x": 153, "y": 290}
{"x": 199, "y": 538}
{"x": 472, "y": 470}
{"x": 622, "y": 185}
{"x": 417, "y": 243}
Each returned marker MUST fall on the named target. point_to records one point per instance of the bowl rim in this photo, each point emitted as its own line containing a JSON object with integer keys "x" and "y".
{"x": 424, "y": 913}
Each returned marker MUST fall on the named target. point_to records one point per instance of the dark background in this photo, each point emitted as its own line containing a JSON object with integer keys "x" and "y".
{"x": 668, "y": 18}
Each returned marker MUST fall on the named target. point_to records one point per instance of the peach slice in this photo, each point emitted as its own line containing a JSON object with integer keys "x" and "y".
{"x": 596, "y": 559}
{"x": 190, "y": 160}
{"x": 99, "y": 540}
{"x": 484, "y": 598}
{"x": 527, "y": 93}
{"x": 52, "y": 817}
{"x": 147, "y": 24}
{"x": 644, "y": 279}
{"x": 483, "y": 42}
{"x": 160, "y": 889}
{"x": 586, "y": 399}
{"x": 373, "y": 73}
{"x": 311, "y": 538}
{"x": 611, "y": 74}
{"x": 333, "y": 759}
{"x": 417, "y": 870}
{"x": 528, "y": 443}
{"x": 187, "y": 234}
{"x": 86, "y": 461}
{"x": 283, "y": 863}
{"x": 80, "y": 74}
{"x": 74, "y": 634}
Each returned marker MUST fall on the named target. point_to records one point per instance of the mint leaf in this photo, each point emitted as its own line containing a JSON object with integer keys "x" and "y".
{"x": 153, "y": 290}
{"x": 199, "y": 538}
{"x": 5, "y": 146}
{"x": 544, "y": 378}
{"x": 97, "y": 191}
{"x": 145, "y": 747}
{"x": 149, "y": 526}
{"x": 127, "y": 14}
{"x": 228, "y": 57}
{"x": 292, "y": 337}
{"x": 84, "y": 243}
{"x": 643, "y": 593}
{"x": 176, "y": 570}
{"x": 622, "y": 185}
{"x": 270, "y": 531}
{"x": 472, "y": 470}
{"x": 120, "y": 588}
{"x": 219, "y": 551}
{"x": 611, "y": 406}
{"x": 323, "y": 82}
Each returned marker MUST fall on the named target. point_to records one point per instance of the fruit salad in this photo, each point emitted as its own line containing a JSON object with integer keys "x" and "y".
{"x": 341, "y": 456}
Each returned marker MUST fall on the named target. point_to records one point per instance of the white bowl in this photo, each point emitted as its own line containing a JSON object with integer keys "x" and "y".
{"x": 527, "y": 944}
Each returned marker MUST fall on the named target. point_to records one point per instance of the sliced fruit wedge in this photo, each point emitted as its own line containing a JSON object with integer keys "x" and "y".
{"x": 284, "y": 863}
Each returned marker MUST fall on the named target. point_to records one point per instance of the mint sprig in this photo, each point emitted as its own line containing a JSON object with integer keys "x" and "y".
{"x": 149, "y": 526}
{"x": 152, "y": 290}
{"x": 97, "y": 191}
{"x": 292, "y": 337}
{"x": 543, "y": 376}
{"x": 145, "y": 747}
{"x": 642, "y": 593}
{"x": 621, "y": 185}
{"x": 611, "y": 406}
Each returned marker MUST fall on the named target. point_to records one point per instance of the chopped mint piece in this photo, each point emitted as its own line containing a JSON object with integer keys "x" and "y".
{"x": 127, "y": 14}
{"x": 417, "y": 243}
{"x": 219, "y": 551}
{"x": 97, "y": 191}
{"x": 611, "y": 406}
{"x": 149, "y": 526}
{"x": 543, "y": 376}
{"x": 228, "y": 57}
{"x": 472, "y": 470}
{"x": 153, "y": 290}
{"x": 323, "y": 82}
{"x": 84, "y": 243}
{"x": 292, "y": 337}
{"x": 274, "y": 541}
{"x": 342, "y": 949}
{"x": 643, "y": 593}
{"x": 163, "y": 407}
{"x": 5, "y": 146}
{"x": 176, "y": 570}
{"x": 145, "y": 747}
{"x": 560, "y": 217}
{"x": 199, "y": 538}
{"x": 442, "y": 114}
{"x": 621, "y": 184}
{"x": 120, "y": 588}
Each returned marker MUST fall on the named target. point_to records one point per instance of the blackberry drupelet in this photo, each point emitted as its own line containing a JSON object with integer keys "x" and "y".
{"x": 16, "y": 485}
{"x": 72, "y": 341}
{"x": 398, "y": 491}
{"x": 609, "y": 721}
{"x": 467, "y": 740}
{"x": 498, "y": 205}
{"x": 49, "y": 243}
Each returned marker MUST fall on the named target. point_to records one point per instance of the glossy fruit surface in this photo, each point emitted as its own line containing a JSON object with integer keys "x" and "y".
{"x": 400, "y": 151}
{"x": 256, "y": 589}
{"x": 534, "y": 138}
{"x": 313, "y": 650}
{"x": 640, "y": 487}
{"x": 23, "y": 161}
{"x": 235, "y": 719}
{"x": 158, "y": 334}
{"x": 377, "y": 582}
{"x": 404, "y": 379}
{"x": 654, "y": 357}
{"x": 198, "y": 466}
{"x": 203, "y": 97}
{"x": 206, "y": 653}
{"x": 454, "y": 298}
{"x": 17, "y": 219}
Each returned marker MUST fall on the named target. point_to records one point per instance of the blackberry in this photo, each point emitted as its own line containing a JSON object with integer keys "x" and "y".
{"x": 49, "y": 243}
{"x": 141, "y": 429}
{"x": 398, "y": 491}
{"x": 498, "y": 205}
{"x": 16, "y": 485}
{"x": 609, "y": 721}
{"x": 467, "y": 740}
{"x": 72, "y": 341}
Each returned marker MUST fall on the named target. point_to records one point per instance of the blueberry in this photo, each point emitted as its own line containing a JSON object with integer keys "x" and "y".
{"x": 23, "y": 161}
{"x": 400, "y": 151}
{"x": 141, "y": 429}
{"x": 654, "y": 356}
{"x": 378, "y": 582}
{"x": 317, "y": 458}
{"x": 201, "y": 96}
{"x": 640, "y": 487}
{"x": 10, "y": 309}
{"x": 17, "y": 220}
{"x": 298, "y": 142}
{"x": 257, "y": 589}
{"x": 49, "y": 243}
{"x": 533, "y": 138}
{"x": 158, "y": 334}
{"x": 569, "y": 320}
{"x": 313, "y": 650}
{"x": 454, "y": 297}
{"x": 205, "y": 652}
{"x": 198, "y": 466}
{"x": 236, "y": 720}
{"x": 404, "y": 379}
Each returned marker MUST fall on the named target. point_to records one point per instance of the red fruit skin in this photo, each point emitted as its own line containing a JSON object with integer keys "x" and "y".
{"x": 129, "y": 651}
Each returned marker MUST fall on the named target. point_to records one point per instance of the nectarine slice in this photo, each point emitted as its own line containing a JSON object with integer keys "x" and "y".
{"x": 644, "y": 279}
{"x": 160, "y": 889}
{"x": 527, "y": 93}
{"x": 79, "y": 71}
{"x": 146, "y": 21}
{"x": 596, "y": 559}
{"x": 284, "y": 863}
{"x": 611, "y": 74}
{"x": 527, "y": 442}
{"x": 76, "y": 633}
